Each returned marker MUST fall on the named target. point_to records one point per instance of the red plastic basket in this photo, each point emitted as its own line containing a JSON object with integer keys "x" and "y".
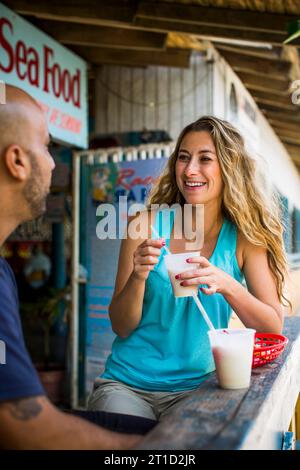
{"x": 267, "y": 347}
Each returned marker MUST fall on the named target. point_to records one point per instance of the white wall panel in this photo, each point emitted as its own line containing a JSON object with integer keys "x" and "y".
{"x": 131, "y": 99}
{"x": 137, "y": 118}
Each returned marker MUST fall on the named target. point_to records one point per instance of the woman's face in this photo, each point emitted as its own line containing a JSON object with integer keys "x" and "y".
{"x": 197, "y": 170}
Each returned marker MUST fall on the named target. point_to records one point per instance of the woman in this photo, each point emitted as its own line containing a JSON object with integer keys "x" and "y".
{"x": 162, "y": 352}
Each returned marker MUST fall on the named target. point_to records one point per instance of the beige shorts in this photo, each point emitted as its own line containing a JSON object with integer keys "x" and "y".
{"x": 117, "y": 397}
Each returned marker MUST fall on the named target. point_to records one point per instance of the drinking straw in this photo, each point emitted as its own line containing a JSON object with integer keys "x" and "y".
{"x": 195, "y": 297}
{"x": 157, "y": 235}
{"x": 202, "y": 310}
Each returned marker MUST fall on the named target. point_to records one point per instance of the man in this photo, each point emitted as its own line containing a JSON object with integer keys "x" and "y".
{"x": 27, "y": 418}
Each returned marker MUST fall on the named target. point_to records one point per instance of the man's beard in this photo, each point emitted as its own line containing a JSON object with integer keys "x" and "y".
{"x": 34, "y": 193}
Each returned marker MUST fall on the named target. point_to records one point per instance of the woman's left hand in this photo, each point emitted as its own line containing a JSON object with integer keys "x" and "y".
{"x": 207, "y": 274}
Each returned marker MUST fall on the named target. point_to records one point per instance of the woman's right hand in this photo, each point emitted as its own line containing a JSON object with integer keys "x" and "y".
{"x": 146, "y": 257}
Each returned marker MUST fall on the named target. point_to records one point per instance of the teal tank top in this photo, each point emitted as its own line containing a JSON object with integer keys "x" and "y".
{"x": 169, "y": 350}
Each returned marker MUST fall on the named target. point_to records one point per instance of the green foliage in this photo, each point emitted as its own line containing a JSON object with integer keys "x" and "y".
{"x": 42, "y": 314}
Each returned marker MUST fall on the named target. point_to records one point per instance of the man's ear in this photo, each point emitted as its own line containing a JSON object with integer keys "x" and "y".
{"x": 17, "y": 162}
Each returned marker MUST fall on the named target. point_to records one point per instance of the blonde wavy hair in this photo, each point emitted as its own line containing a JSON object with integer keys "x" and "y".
{"x": 256, "y": 216}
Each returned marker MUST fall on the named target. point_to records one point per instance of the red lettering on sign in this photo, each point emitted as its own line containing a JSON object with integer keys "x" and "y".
{"x": 21, "y": 59}
{"x": 33, "y": 67}
{"x": 128, "y": 173}
{"x": 6, "y": 46}
{"x": 26, "y": 63}
{"x": 47, "y": 52}
{"x": 61, "y": 80}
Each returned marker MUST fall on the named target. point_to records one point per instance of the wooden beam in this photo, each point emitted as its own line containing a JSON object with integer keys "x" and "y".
{"x": 297, "y": 164}
{"x": 118, "y": 10}
{"x": 103, "y": 36}
{"x": 272, "y": 67}
{"x": 282, "y": 116}
{"x": 289, "y": 133}
{"x": 294, "y": 150}
{"x": 294, "y": 140}
{"x": 111, "y": 14}
{"x": 208, "y": 21}
{"x": 169, "y": 58}
{"x": 225, "y": 17}
{"x": 264, "y": 103}
{"x": 273, "y": 54}
{"x": 285, "y": 125}
{"x": 296, "y": 159}
{"x": 90, "y": 11}
{"x": 274, "y": 97}
{"x": 253, "y": 81}
{"x": 213, "y": 32}
{"x": 294, "y": 156}
{"x": 273, "y": 111}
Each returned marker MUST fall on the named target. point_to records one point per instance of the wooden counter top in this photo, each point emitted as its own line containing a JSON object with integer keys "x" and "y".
{"x": 256, "y": 418}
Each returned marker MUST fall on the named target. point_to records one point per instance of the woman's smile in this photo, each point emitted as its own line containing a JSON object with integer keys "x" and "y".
{"x": 195, "y": 185}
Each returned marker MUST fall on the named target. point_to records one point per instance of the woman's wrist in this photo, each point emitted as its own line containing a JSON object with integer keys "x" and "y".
{"x": 137, "y": 278}
{"x": 230, "y": 287}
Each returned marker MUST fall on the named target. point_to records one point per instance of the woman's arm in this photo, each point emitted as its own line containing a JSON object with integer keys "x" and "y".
{"x": 258, "y": 307}
{"x": 137, "y": 258}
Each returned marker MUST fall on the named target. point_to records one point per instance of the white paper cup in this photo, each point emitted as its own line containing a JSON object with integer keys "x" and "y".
{"x": 176, "y": 264}
{"x": 233, "y": 353}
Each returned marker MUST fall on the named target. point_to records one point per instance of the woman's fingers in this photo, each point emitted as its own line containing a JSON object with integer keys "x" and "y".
{"x": 208, "y": 290}
{"x": 154, "y": 243}
{"x": 147, "y": 254}
{"x": 146, "y": 260}
{"x": 143, "y": 268}
{"x": 204, "y": 263}
{"x": 149, "y": 251}
{"x": 190, "y": 274}
{"x": 196, "y": 280}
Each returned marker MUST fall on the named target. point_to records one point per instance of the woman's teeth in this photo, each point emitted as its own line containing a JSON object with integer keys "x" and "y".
{"x": 194, "y": 184}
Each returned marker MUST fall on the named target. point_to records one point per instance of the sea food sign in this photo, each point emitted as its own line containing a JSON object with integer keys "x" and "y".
{"x": 56, "y": 77}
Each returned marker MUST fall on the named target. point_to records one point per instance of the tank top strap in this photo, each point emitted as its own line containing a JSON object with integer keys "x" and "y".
{"x": 224, "y": 255}
{"x": 228, "y": 237}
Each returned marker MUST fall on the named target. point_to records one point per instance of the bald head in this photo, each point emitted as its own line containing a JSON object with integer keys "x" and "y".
{"x": 25, "y": 162}
{"x": 15, "y": 117}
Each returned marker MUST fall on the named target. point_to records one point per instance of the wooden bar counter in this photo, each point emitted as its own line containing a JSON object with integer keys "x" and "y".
{"x": 256, "y": 418}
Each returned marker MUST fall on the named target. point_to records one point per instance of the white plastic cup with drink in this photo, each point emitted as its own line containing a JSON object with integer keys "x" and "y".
{"x": 233, "y": 352}
{"x": 176, "y": 264}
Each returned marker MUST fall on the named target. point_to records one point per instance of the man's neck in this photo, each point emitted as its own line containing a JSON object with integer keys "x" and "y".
{"x": 7, "y": 227}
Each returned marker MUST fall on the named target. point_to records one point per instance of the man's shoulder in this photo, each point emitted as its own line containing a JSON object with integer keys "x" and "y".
{"x": 6, "y": 275}
{"x": 5, "y": 267}
{"x": 8, "y": 289}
